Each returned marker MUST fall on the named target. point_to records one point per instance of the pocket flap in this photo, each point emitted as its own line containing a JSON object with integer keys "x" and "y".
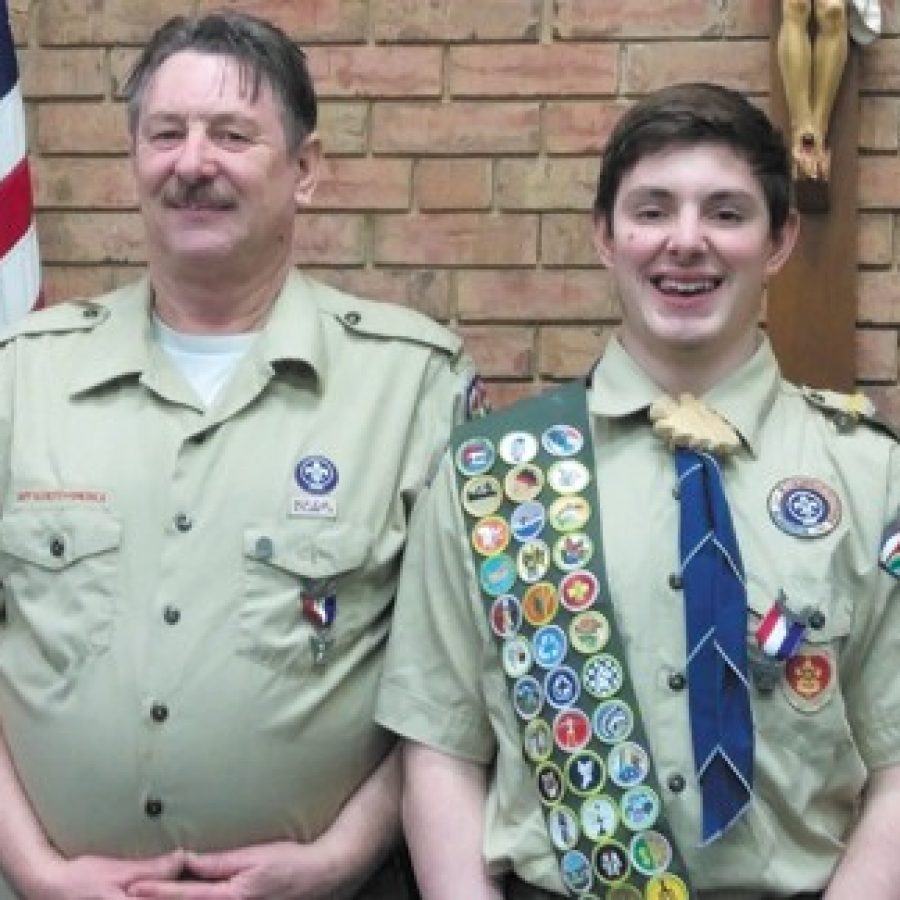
{"x": 325, "y": 553}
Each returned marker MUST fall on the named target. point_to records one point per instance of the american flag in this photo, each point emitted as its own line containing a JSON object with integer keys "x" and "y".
{"x": 20, "y": 272}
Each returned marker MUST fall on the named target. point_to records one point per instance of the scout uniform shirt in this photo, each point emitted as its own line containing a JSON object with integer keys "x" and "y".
{"x": 196, "y": 601}
{"x": 831, "y": 713}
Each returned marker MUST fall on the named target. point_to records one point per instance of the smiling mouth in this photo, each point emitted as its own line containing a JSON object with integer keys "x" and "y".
{"x": 680, "y": 287}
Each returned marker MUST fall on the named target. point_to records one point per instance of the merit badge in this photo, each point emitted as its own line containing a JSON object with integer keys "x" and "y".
{"x": 498, "y": 575}
{"x": 589, "y": 632}
{"x": 640, "y": 808}
{"x": 651, "y": 853}
{"x": 611, "y": 862}
{"x": 475, "y": 456}
{"x": 628, "y": 764}
{"x": 599, "y": 817}
{"x": 482, "y": 496}
{"x": 575, "y": 870}
{"x": 537, "y": 741}
{"x": 523, "y": 482}
{"x": 316, "y": 475}
{"x": 517, "y": 447}
{"x": 666, "y": 887}
{"x": 517, "y": 656}
{"x": 561, "y": 687}
{"x": 533, "y": 561}
{"x": 540, "y": 603}
{"x": 585, "y": 773}
{"x": 550, "y": 783}
{"x": 527, "y": 521}
{"x": 809, "y": 679}
{"x": 528, "y": 698}
{"x": 780, "y": 633}
{"x": 506, "y": 616}
{"x": 568, "y": 476}
{"x": 603, "y": 676}
{"x": 804, "y": 507}
{"x": 889, "y": 555}
{"x": 613, "y": 721}
{"x": 490, "y": 535}
{"x": 577, "y": 591}
{"x": 562, "y": 826}
{"x": 550, "y": 646}
{"x": 477, "y": 403}
{"x": 569, "y": 513}
{"x": 571, "y": 730}
{"x": 562, "y": 440}
{"x": 573, "y": 551}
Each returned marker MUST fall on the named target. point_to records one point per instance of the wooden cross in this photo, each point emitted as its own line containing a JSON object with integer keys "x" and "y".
{"x": 811, "y": 306}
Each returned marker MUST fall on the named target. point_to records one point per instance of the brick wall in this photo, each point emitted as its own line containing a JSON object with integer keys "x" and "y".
{"x": 462, "y": 140}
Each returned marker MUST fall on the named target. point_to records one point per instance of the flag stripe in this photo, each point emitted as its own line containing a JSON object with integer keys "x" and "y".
{"x": 15, "y": 201}
{"x": 20, "y": 280}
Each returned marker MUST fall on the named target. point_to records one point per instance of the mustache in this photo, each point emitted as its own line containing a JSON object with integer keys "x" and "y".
{"x": 206, "y": 194}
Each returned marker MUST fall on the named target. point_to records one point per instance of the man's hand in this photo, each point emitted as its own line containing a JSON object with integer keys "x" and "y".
{"x": 99, "y": 878}
{"x": 277, "y": 871}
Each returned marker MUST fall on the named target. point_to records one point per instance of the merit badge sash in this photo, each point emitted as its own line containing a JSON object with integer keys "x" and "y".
{"x": 526, "y": 483}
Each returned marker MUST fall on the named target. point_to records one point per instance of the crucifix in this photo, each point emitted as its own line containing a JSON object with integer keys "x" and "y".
{"x": 811, "y": 310}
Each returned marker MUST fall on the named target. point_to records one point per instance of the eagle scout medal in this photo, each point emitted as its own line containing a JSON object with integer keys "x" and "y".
{"x": 889, "y": 554}
{"x": 804, "y": 507}
{"x": 318, "y": 604}
{"x": 534, "y": 526}
{"x": 780, "y": 633}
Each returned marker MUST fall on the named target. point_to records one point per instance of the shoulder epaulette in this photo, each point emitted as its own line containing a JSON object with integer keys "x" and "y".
{"x": 373, "y": 319}
{"x": 58, "y": 319}
{"x": 847, "y": 411}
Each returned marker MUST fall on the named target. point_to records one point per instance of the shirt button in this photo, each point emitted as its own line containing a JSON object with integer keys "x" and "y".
{"x": 677, "y": 681}
{"x": 183, "y": 522}
{"x": 171, "y": 615}
{"x": 153, "y": 807}
{"x": 57, "y": 547}
{"x": 675, "y": 581}
{"x": 159, "y": 712}
{"x": 676, "y": 783}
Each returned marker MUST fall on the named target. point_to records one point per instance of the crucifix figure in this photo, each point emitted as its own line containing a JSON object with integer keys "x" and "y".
{"x": 812, "y": 51}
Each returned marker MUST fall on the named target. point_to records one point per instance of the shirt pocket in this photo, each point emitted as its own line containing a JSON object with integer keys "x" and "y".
{"x": 59, "y": 570}
{"x": 284, "y": 565}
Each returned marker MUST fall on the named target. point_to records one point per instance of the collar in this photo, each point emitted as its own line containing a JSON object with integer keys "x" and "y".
{"x": 620, "y": 387}
{"x": 125, "y": 346}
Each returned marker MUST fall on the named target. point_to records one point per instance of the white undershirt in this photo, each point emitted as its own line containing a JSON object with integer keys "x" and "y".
{"x": 207, "y": 361}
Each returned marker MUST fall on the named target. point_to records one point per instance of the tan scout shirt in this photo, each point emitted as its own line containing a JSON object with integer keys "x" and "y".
{"x": 444, "y": 686}
{"x": 157, "y": 686}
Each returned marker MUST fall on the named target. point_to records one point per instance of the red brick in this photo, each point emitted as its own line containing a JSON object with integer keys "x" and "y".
{"x": 344, "y": 128}
{"x": 449, "y": 184}
{"x": 19, "y": 20}
{"x": 66, "y": 72}
{"x": 455, "y": 20}
{"x": 525, "y": 71}
{"x": 879, "y": 182}
{"x": 567, "y": 240}
{"x": 580, "y": 127}
{"x": 376, "y": 71}
{"x": 875, "y": 239}
{"x": 887, "y": 400}
{"x": 880, "y": 65}
{"x": 363, "y": 184}
{"x": 74, "y": 282}
{"x": 743, "y": 65}
{"x": 455, "y": 239}
{"x": 310, "y": 21}
{"x": 328, "y": 239}
{"x": 570, "y": 352}
{"x": 83, "y": 183}
{"x": 876, "y": 354}
{"x": 426, "y": 290}
{"x": 540, "y": 184}
{"x": 121, "y": 62}
{"x": 529, "y": 295}
{"x": 657, "y": 18}
{"x": 879, "y": 123}
{"x": 879, "y": 298}
{"x": 102, "y": 21}
{"x": 460, "y": 128}
{"x": 81, "y": 128}
{"x": 90, "y": 237}
{"x": 500, "y": 352}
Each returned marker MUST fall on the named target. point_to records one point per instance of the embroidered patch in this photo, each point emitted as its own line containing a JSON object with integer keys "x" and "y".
{"x": 809, "y": 679}
{"x": 889, "y": 555}
{"x": 804, "y": 507}
{"x": 316, "y": 475}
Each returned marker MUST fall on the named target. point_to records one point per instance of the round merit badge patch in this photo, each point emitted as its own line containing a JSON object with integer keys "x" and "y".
{"x": 804, "y": 507}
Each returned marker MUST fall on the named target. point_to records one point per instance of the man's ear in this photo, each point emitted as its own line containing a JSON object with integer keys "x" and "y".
{"x": 783, "y": 243}
{"x": 603, "y": 239}
{"x": 307, "y": 159}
